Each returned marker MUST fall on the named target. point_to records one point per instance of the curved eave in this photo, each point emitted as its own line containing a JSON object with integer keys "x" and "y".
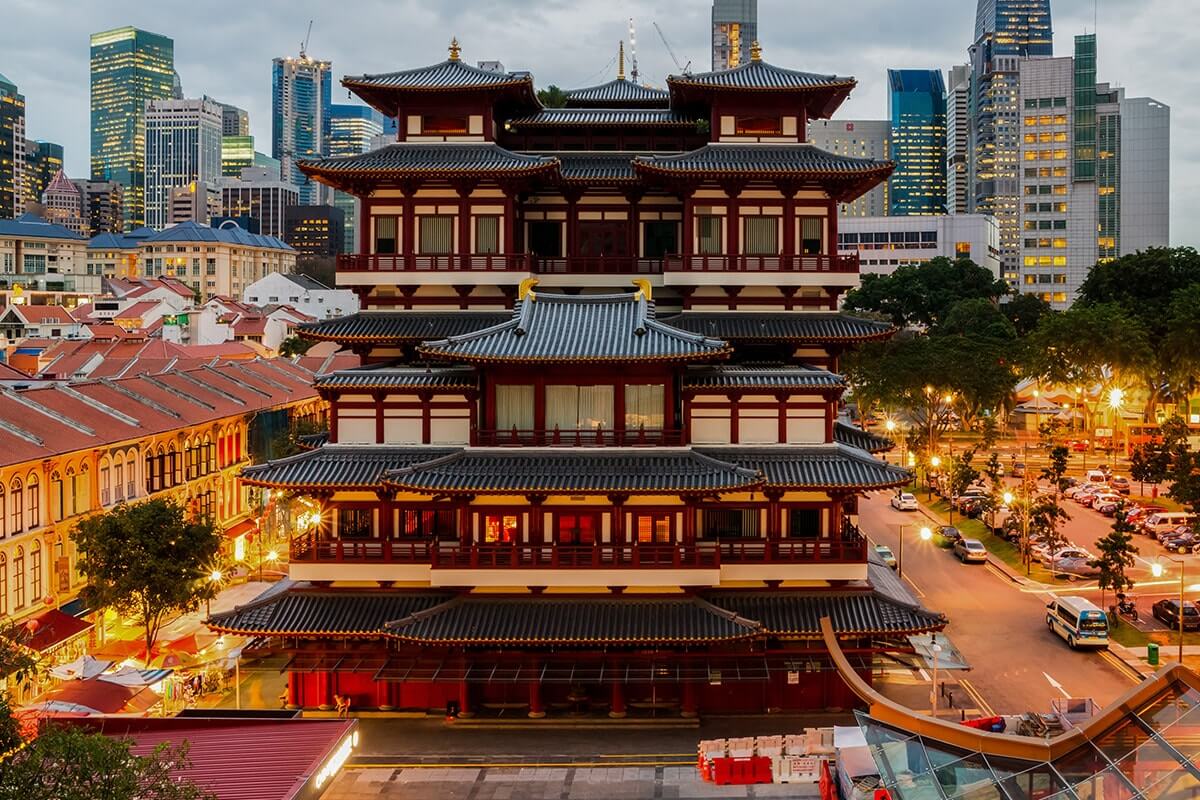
{"x": 578, "y": 642}
{"x": 306, "y": 487}
{"x": 431, "y": 352}
{"x": 862, "y": 486}
{"x": 521, "y": 490}
{"x": 761, "y": 387}
{"x": 388, "y": 99}
{"x": 670, "y": 171}
{"x": 360, "y": 179}
{"x": 823, "y": 100}
{"x": 315, "y": 634}
{"x": 402, "y": 387}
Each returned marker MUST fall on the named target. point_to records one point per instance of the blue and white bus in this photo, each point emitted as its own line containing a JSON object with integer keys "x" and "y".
{"x": 1079, "y": 621}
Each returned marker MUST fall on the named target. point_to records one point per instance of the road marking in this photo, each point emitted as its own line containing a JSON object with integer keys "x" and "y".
{"x": 1056, "y": 684}
{"x": 914, "y": 586}
{"x": 976, "y": 697}
{"x": 1122, "y": 667}
{"x": 997, "y": 572}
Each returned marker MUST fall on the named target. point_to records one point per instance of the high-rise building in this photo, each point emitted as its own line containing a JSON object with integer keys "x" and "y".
{"x": 300, "y": 118}
{"x": 734, "y": 29}
{"x": 237, "y": 153}
{"x": 63, "y": 204}
{"x": 196, "y": 202}
{"x": 43, "y": 160}
{"x": 234, "y": 121}
{"x": 259, "y": 194}
{"x": 183, "y": 146}
{"x": 351, "y": 131}
{"x": 1006, "y": 31}
{"x": 264, "y": 161}
{"x": 12, "y": 150}
{"x": 1145, "y": 174}
{"x": 958, "y": 134}
{"x": 1093, "y": 185}
{"x": 917, "y": 110}
{"x": 102, "y": 206}
{"x": 314, "y": 230}
{"x": 861, "y": 138}
{"x": 129, "y": 68}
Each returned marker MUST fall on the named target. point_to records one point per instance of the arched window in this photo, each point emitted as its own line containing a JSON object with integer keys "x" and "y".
{"x": 16, "y": 507}
{"x": 3, "y": 584}
{"x": 19, "y": 579}
{"x": 3, "y": 518}
{"x": 33, "y": 501}
{"x": 56, "y": 496}
{"x": 175, "y": 468}
{"x": 118, "y": 478}
{"x": 68, "y": 502}
{"x": 35, "y": 571}
{"x": 207, "y": 455}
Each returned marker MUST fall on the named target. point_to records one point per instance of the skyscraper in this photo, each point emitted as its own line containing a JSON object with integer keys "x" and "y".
{"x": 43, "y": 160}
{"x": 237, "y": 153}
{"x": 1005, "y": 32}
{"x": 64, "y": 204}
{"x": 234, "y": 121}
{"x": 351, "y": 129}
{"x": 102, "y": 206}
{"x": 917, "y": 110}
{"x": 1145, "y": 174}
{"x": 259, "y": 194}
{"x": 958, "y": 133}
{"x": 734, "y": 29}
{"x": 129, "y": 67}
{"x": 300, "y": 101}
{"x": 860, "y": 138}
{"x": 12, "y": 150}
{"x": 183, "y": 146}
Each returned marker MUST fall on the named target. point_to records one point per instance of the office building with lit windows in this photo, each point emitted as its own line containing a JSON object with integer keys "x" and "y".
{"x": 237, "y": 153}
{"x": 12, "y": 149}
{"x": 917, "y": 111}
{"x": 314, "y": 230}
{"x": 129, "y": 68}
{"x": 102, "y": 206}
{"x": 183, "y": 147}
{"x": 352, "y": 128}
{"x": 857, "y": 138}
{"x": 884, "y": 243}
{"x": 260, "y": 195}
{"x": 1006, "y": 31}
{"x": 300, "y": 119}
{"x": 1145, "y": 174}
{"x": 43, "y": 160}
{"x": 958, "y": 134}
{"x": 734, "y": 29}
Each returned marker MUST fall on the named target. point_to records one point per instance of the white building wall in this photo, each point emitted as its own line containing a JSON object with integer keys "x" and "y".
{"x": 861, "y": 138}
{"x": 885, "y": 243}
{"x": 322, "y": 304}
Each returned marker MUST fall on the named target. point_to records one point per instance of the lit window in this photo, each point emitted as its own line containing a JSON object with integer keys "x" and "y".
{"x": 500, "y": 528}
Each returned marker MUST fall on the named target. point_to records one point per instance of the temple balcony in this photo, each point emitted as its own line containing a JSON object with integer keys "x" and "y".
{"x": 596, "y": 265}
{"x": 593, "y": 437}
{"x": 759, "y": 264}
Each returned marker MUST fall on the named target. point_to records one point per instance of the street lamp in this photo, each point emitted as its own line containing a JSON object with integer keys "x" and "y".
{"x": 936, "y": 650}
{"x": 214, "y": 577}
{"x": 925, "y": 533}
{"x": 934, "y": 462}
{"x": 1116, "y": 398}
{"x": 1157, "y": 570}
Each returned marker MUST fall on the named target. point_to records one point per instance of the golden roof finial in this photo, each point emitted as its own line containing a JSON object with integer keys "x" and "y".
{"x": 755, "y": 51}
{"x": 621, "y": 61}
{"x": 454, "y": 49}
{"x": 643, "y": 288}
{"x": 525, "y": 289}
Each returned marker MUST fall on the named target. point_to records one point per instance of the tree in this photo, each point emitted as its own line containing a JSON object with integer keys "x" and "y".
{"x": 146, "y": 560}
{"x": 1055, "y": 471}
{"x": 1077, "y": 347}
{"x": 1116, "y": 554}
{"x": 922, "y": 294}
{"x": 1149, "y": 463}
{"x": 1025, "y": 311}
{"x": 993, "y": 470}
{"x": 961, "y": 475}
{"x": 295, "y": 346}
{"x": 71, "y": 763}
{"x": 1044, "y": 515}
{"x": 321, "y": 268}
{"x": 552, "y": 97}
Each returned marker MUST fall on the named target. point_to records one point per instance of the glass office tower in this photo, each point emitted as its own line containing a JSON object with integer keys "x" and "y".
{"x": 917, "y": 110}
{"x": 12, "y": 149}
{"x": 128, "y": 67}
{"x": 300, "y": 101}
{"x": 351, "y": 129}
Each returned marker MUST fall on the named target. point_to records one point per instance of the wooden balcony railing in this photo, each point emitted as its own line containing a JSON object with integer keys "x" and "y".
{"x": 309, "y": 548}
{"x": 599, "y": 556}
{"x": 597, "y": 265}
{"x": 491, "y": 262}
{"x": 794, "y": 551}
{"x": 780, "y": 263}
{"x": 596, "y": 437}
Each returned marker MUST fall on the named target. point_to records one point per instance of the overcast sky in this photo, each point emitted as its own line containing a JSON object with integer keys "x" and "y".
{"x": 224, "y": 48}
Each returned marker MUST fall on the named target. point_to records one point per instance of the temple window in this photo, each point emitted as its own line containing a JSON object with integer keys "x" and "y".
{"x": 582, "y": 408}
{"x": 757, "y": 126}
{"x": 660, "y": 238}
{"x": 730, "y": 523}
{"x": 437, "y": 235}
{"x": 811, "y": 229}
{"x": 653, "y": 528}
{"x": 577, "y": 528}
{"x": 708, "y": 234}
{"x": 501, "y": 528}
{"x": 487, "y": 234}
{"x": 644, "y": 404}
{"x": 438, "y": 125}
{"x": 804, "y": 523}
{"x": 385, "y": 235}
{"x": 545, "y": 238}
{"x": 427, "y": 523}
{"x": 355, "y": 523}
{"x": 514, "y": 407}
{"x": 761, "y": 236}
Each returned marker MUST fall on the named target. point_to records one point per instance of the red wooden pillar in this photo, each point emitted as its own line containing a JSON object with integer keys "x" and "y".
{"x": 293, "y": 690}
{"x": 325, "y": 692}
{"x": 789, "y": 221}
{"x": 831, "y": 216}
{"x": 378, "y": 396}
{"x": 689, "y": 225}
{"x": 688, "y": 704}
{"x": 689, "y": 519}
{"x": 618, "y": 518}
{"x": 537, "y": 532}
{"x": 465, "y": 535}
{"x": 408, "y": 226}
{"x": 464, "y": 700}
{"x": 383, "y": 695}
{"x": 536, "y": 711}
{"x": 774, "y": 524}
{"x": 617, "y": 707}
{"x": 387, "y": 526}
{"x": 364, "y": 225}
{"x": 733, "y": 225}
{"x": 333, "y": 420}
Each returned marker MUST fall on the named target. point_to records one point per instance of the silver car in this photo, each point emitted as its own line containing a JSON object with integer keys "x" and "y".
{"x": 970, "y": 550}
{"x": 1075, "y": 568}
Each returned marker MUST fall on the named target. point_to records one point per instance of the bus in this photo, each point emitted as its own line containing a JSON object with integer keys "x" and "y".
{"x": 1080, "y": 622}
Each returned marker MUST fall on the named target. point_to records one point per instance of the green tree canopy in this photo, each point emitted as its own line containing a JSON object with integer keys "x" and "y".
{"x": 552, "y": 97}
{"x": 146, "y": 560}
{"x": 1025, "y": 311}
{"x": 1116, "y": 554}
{"x": 295, "y": 346}
{"x": 922, "y": 294}
{"x": 1085, "y": 344}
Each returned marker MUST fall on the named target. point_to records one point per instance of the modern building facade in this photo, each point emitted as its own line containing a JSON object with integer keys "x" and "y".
{"x": 563, "y": 460}
{"x": 129, "y": 68}
{"x": 858, "y": 138}
{"x": 300, "y": 120}
{"x": 183, "y": 146}
{"x": 234, "y": 121}
{"x": 958, "y": 136}
{"x": 734, "y": 30}
{"x": 352, "y": 129}
{"x": 12, "y": 149}
{"x": 303, "y": 293}
{"x": 40, "y": 256}
{"x": 1145, "y": 174}
{"x": 314, "y": 230}
{"x": 259, "y": 194}
{"x": 1006, "y": 31}
{"x": 63, "y": 204}
{"x": 198, "y": 201}
{"x": 917, "y": 110}
{"x": 102, "y": 206}
{"x": 43, "y": 160}
{"x": 237, "y": 153}
{"x": 884, "y": 243}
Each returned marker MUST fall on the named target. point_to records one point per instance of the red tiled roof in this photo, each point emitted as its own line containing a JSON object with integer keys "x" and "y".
{"x": 250, "y": 326}
{"x": 138, "y": 309}
{"x": 10, "y": 373}
{"x": 41, "y": 315}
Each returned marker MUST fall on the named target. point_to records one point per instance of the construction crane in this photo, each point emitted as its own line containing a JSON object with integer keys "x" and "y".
{"x": 304, "y": 44}
{"x": 686, "y": 69}
{"x": 633, "y": 73}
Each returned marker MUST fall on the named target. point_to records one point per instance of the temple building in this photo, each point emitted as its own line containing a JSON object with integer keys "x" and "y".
{"x": 593, "y": 460}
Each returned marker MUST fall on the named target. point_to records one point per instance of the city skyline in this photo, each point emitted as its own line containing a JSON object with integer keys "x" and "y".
{"x": 1136, "y": 54}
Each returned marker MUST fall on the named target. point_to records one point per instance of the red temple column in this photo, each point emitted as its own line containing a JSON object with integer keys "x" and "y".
{"x": 293, "y": 690}
{"x": 618, "y": 518}
{"x": 464, "y": 700}
{"x": 536, "y": 711}
{"x": 325, "y": 692}
{"x": 688, "y": 704}
{"x": 617, "y": 708}
{"x": 383, "y": 695}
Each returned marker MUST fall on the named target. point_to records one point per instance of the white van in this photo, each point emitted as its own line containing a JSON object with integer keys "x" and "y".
{"x": 1079, "y": 621}
{"x": 1166, "y": 520}
{"x": 1096, "y": 476}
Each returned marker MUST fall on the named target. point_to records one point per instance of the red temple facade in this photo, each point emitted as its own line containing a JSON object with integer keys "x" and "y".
{"x": 593, "y": 460}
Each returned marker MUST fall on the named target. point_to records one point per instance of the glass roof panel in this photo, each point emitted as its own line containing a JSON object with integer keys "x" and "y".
{"x": 915, "y": 787}
{"x": 1033, "y": 784}
{"x": 1168, "y": 707}
{"x": 1184, "y": 734}
{"x": 968, "y": 777}
{"x": 1125, "y": 737}
{"x": 897, "y": 754}
{"x": 1107, "y": 784}
{"x": 1149, "y": 764}
{"x": 1180, "y": 785}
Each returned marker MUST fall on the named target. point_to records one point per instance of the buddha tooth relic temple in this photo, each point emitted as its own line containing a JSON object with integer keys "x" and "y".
{"x": 593, "y": 460}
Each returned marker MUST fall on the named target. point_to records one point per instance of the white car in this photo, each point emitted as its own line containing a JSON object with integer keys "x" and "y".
{"x": 1070, "y": 552}
{"x": 904, "y": 501}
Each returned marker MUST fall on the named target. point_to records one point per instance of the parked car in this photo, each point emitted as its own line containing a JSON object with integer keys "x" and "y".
{"x": 949, "y": 533}
{"x": 904, "y": 501}
{"x": 885, "y": 553}
{"x": 970, "y": 550}
{"x": 1086, "y": 499}
{"x": 1077, "y": 445}
{"x": 970, "y": 495}
{"x": 1138, "y": 514}
{"x": 1183, "y": 543}
{"x": 1162, "y": 537}
{"x": 1119, "y": 484}
{"x": 1167, "y": 612}
{"x": 1097, "y": 475}
{"x": 1075, "y": 491}
{"x": 974, "y": 506}
{"x": 1075, "y": 568}
{"x": 1107, "y": 503}
{"x": 1018, "y": 470}
{"x": 1165, "y": 521}
{"x": 1065, "y": 552}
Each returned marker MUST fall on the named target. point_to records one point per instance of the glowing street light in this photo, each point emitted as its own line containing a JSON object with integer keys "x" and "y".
{"x": 925, "y": 533}
{"x": 890, "y": 425}
{"x": 1115, "y": 398}
{"x": 1008, "y": 498}
{"x": 935, "y": 462}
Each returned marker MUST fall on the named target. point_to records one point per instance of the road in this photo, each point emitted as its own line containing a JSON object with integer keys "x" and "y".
{"x": 1017, "y": 663}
